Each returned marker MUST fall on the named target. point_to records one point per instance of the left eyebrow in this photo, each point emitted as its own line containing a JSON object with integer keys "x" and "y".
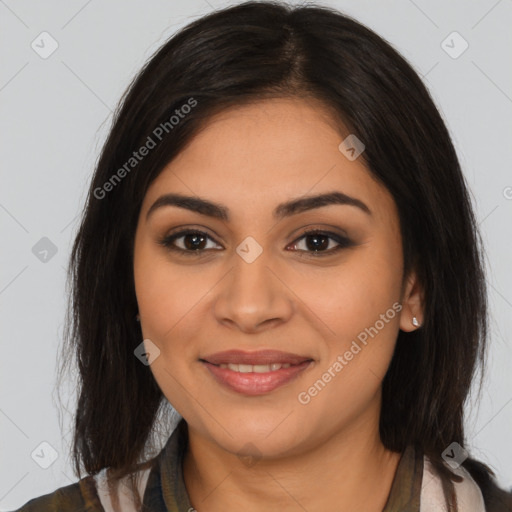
{"x": 286, "y": 209}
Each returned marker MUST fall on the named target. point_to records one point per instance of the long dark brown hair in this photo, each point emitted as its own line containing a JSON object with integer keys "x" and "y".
{"x": 246, "y": 53}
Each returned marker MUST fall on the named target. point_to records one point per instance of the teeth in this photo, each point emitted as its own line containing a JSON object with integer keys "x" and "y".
{"x": 256, "y": 368}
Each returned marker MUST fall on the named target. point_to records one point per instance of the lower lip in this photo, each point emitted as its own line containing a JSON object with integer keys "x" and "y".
{"x": 256, "y": 383}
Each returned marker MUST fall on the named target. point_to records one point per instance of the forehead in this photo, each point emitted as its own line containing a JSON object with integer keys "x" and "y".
{"x": 264, "y": 153}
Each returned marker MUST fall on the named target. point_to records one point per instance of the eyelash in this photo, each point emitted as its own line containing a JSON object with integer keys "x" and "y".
{"x": 343, "y": 242}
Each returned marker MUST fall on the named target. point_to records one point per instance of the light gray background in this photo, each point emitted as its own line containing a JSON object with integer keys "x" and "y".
{"x": 55, "y": 116}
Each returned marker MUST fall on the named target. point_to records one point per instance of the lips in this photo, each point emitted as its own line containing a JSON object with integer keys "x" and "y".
{"x": 261, "y": 357}
{"x": 253, "y": 383}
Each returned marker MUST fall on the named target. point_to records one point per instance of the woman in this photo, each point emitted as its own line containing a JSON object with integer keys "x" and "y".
{"x": 279, "y": 242}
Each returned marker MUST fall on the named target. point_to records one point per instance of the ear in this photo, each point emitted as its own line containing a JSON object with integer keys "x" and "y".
{"x": 412, "y": 304}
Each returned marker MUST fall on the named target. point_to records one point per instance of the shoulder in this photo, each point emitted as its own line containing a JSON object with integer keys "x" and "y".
{"x": 78, "y": 497}
{"x": 91, "y": 494}
{"x": 496, "y": 499}
{"x": 480, "y": 495}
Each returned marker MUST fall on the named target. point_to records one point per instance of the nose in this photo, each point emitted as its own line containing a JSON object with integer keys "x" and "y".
{"x": 252, "y": 297}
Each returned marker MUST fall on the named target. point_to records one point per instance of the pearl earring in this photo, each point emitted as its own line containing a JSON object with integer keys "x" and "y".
{"x": 137, "y": 317}
{"x": 415, "y": 321}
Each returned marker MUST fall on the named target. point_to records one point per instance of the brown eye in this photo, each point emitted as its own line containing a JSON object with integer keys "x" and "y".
{"x": 317, "y": 243}
{"x": 193, "y": 244}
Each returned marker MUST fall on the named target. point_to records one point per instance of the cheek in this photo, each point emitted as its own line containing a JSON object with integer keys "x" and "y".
{"x": 166, "y": 301}
{"x": 353, "y": 297}
{"x": 158, "y": 286}
{"x": 357, "y": 357}
{"x": 171, "y": 301}
{"x": 359, "y": 306}
{"x": 161, "y": 294}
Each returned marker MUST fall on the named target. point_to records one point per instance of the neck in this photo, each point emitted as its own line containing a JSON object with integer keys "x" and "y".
{"x": 350, "y": 470}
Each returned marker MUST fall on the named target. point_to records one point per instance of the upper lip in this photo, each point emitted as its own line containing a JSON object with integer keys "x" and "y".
{"x": 258, "y": 357}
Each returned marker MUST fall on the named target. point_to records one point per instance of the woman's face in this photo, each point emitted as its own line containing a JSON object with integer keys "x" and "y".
{"x": 254, "y": 282}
